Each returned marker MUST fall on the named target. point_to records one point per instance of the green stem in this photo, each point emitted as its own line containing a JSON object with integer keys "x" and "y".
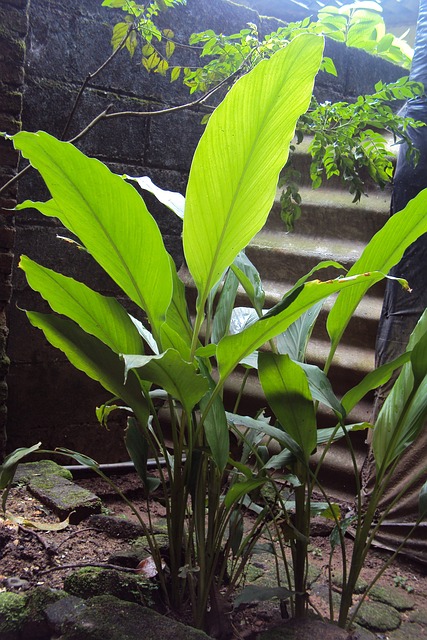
{"x": 300, "y": 547}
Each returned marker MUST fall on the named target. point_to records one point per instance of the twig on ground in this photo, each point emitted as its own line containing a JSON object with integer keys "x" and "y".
{"x": 79, "y": 565}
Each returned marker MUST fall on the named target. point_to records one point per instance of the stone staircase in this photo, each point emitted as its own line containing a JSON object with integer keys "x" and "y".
{"x": 331, "y": 227}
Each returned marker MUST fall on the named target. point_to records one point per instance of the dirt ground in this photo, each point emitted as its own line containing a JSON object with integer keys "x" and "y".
{"x": 30, "y": 557}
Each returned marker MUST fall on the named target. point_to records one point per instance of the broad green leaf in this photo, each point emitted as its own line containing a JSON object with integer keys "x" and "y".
{"x": 250, "y": 280}
{"x": 90, "y": 355}
{"x": 404, "y": 411}
{"x": 137, "y": 446}
{"x": 215, "y": 423}
{"x": 232, "y": 349}
{"x": 332, "y": 434}
{"x": 172, "y": 199}
{"x": 285, "y": 386}
{"x": 105, "y": 410}
{"x": 280, "y": 460}
{"x": 235, "y": 531}
{"x": 240, "y": 489}
{"x": 372, "y": 380}
{"x": 171, "y": 339}
{"x": 224, "y": 308}
{"x": 119, "y": 31}
{"x": 170, "y": 372}
{"x": 295, "y": 339}
{"x": 80, "y": 458}
{"x": 321, "y": 388}
{"x": 146, "y": 335}
{"x": 234, "y": 174}
{"x": 177, "y": 316}
{"x": 101, "y": 316}
{"x": 262, "y": 427}
{"x": 384, "y": 251}
{"x": 11, "y": 461}
{"x": 108, "y": 216}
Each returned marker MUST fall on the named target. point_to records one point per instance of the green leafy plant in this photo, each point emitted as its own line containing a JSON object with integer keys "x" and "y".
{"x": 111, "y": 221}
{"x": 185, "y": 355}
{"x": 294, "y": 391}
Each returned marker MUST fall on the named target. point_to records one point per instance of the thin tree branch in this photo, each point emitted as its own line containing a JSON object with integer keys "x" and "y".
{"x": 15, "y": 178}
{"x": 90, "y": 77}
{"x": 79, "y": 565}
{"x": 106, "y": 115}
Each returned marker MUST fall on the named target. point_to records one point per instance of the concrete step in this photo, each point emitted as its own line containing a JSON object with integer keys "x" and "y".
{"x": 330, "y": 213}
{"x": 287, "y": 257}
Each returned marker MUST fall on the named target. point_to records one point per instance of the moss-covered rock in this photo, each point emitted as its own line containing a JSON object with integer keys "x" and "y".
{"x": 378, "y": 617}
{"x": 108, "y": 618}
{"x": 409, "y": 631}
{"x": 361, "y": 585}
{"x": 393, "y": 596}
{"x": 13, "y": 614}
{"x": 93, "y": 581}
{"x": 27, "y": 471}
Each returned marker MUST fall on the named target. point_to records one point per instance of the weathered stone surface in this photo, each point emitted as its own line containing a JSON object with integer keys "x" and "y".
{"x": 93, "y": 581}
{"x": 64, "y": 497}
{"x": 108, "y": 618}
{"x": 419, "y": 616}
{"x": 393, "y": 596}
{"x": 409, "y": 631}
{"x": 359, "y": 633}
{"x": 52, "y": 485}
{"x": 116, "y": 527}
{"x": 378, "y": 617}
{"x": 28, "y": 471}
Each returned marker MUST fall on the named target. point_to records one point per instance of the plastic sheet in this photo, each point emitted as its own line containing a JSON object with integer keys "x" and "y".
{"x": 400, "y": 314}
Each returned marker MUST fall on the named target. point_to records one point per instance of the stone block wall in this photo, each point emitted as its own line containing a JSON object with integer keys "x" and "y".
{"x": 13, "y": 29}
{"x": 67, "y": 40}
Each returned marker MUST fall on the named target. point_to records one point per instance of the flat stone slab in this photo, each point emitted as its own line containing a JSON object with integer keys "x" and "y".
{"x": 51, "y": 484}
{"x": 393, "y": 596}
{"x": 26, "y": 471}
{"x": 377, "y": 616}
{"x": 108, "y": 618}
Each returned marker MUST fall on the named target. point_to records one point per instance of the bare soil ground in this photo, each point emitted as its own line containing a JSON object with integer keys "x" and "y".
{"x": 31, "y": 557}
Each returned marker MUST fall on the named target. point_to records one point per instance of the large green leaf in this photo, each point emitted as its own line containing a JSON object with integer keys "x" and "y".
{"x": 285, "y": 386}
{"x": 98, "y": 315}
{"x": 232, "y": 349}
{"x": 137, "y": 445}
{"x": 372, "y": 380}
{"x": 170, "y": 372}
{"x": 295, "y": 339}
{"x": 250, "y": 280}
{"x": 321, "y": 388}
{"x": 177, "y": 317}
{"x": 384, "y": 251}
{"x": 224, "y": 308}
{"x": 276, "y": 433}
{"x": 404, "y": 411}
{"x": 90, "y": 355}
{"x": 108, "y": 216}
{"x": 235, "y": 169}
{"x": 215, "y": 422}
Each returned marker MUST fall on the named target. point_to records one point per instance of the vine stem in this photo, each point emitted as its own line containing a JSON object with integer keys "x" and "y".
{"x": 93, "y": 75}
